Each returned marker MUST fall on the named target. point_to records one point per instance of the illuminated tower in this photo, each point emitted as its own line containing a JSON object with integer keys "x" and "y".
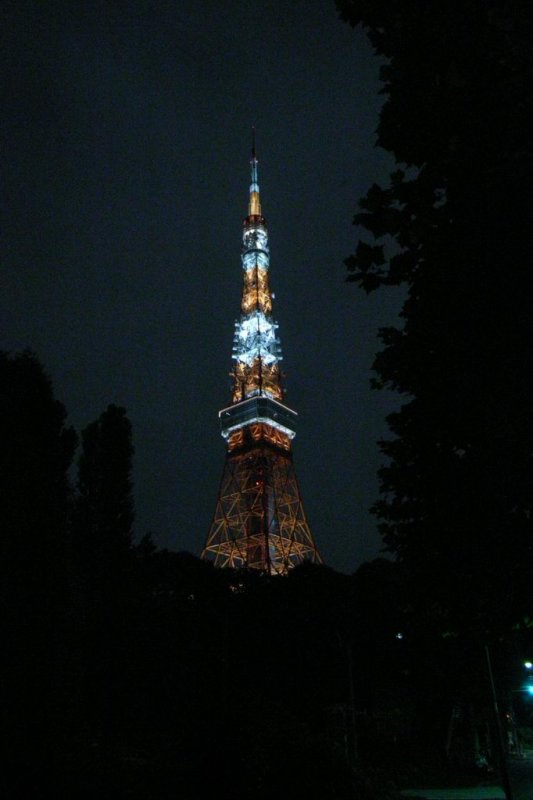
{"x": 259, "y": 519}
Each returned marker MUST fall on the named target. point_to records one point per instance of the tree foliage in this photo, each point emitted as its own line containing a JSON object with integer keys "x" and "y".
{"x": 35, "y": 454}
{"x": 36, "y": 449}
{"x": 105, "y": 501}
{"x": 454, "y": 227}
{"x": 136, "y": 670}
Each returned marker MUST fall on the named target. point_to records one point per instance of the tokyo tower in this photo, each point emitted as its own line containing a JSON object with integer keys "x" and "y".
{"x": 259, "y": 520}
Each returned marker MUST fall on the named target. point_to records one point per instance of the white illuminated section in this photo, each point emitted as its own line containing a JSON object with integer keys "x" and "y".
{"x": 255, "y": 258}
{"x": 258, "y": 409}
{"x": 266, "y": 420}
{"x": 255, "y": 239}
{"x": 255, "y": 337}
{"x": 255, "y": 247}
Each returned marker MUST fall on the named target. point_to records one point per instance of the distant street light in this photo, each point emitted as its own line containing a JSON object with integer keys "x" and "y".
{"x": 528, "y": 688}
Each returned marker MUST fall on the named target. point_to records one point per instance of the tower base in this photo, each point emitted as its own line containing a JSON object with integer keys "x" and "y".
{"x": 259, "y": 521}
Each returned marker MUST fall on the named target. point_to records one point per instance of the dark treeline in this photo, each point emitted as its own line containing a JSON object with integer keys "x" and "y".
{"x": 453, "y": 228}
{"x": 134, "y": 672}
{"x": 139, "y": 673}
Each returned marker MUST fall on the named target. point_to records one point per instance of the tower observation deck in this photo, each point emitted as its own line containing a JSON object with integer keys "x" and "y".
{"x": 259, "y": 520}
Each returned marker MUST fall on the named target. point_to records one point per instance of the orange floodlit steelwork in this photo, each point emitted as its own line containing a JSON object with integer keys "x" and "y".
{"x": 250, "y": 380}
{"x": 259, "y": 521}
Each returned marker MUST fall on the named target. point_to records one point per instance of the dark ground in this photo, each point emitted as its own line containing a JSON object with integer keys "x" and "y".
{"x": 521, "y": 770}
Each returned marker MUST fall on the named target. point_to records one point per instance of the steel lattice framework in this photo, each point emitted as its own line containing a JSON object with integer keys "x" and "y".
{"x": 259, "y": 521}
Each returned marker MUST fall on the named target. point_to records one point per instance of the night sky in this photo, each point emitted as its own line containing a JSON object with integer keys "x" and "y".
{"x": 125, "y": 173}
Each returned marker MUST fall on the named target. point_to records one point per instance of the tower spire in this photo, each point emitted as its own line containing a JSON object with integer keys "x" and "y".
{"x": 254, "y": 205}
{"x": 259, "y": 520}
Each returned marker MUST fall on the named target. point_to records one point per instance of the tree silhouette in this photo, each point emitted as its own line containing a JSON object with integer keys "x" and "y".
{"x": 35, "y": 453}
{"x": 105, "y": 508}
{"x": 453, "y": 227}
{"x": 102, "y": 578}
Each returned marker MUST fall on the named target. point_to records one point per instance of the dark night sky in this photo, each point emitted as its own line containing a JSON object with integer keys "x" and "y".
{"x": 126, "y": 129}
